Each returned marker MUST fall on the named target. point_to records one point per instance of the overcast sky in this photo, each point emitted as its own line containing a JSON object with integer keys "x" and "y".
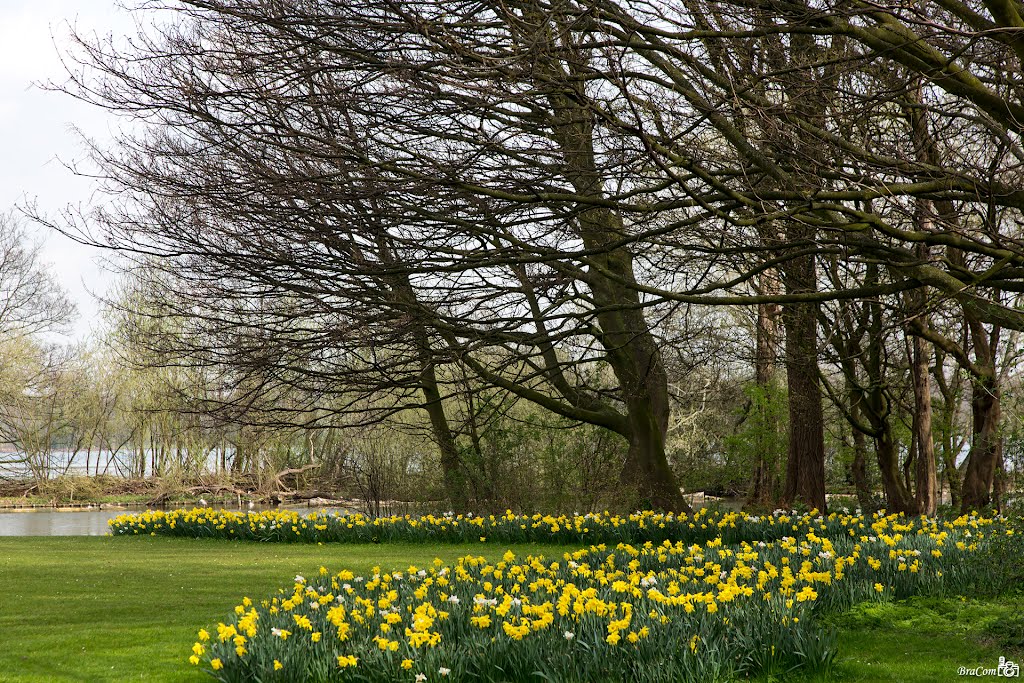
{"x": 35, "y": 126}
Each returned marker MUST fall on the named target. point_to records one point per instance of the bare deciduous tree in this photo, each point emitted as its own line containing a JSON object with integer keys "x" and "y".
{"x": 31, "y": 301}
{"x": 366, "y": 198}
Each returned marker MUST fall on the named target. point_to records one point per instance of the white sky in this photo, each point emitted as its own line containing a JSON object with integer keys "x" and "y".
{"x": 36, "y": 135}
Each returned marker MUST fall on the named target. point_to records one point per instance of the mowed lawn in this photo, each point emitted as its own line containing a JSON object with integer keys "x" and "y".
{"x": 127, "y": 609}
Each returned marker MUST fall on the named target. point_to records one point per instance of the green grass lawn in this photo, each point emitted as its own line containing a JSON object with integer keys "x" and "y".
{"x": 125, "y": 609}
{"x": 927, "y": 639}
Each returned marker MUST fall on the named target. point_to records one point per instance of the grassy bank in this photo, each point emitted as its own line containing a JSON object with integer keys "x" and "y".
{"x": 103, "y": 609}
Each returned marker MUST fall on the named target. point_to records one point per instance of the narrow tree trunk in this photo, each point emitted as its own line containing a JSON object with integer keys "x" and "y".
{"x": 451, "y": 467}
{"x": 859, "y": 466}
{"x": 478, "y": 472}
{"x": 152, "y": 453}
{"x": 911, "y": 459}
{"x": 947, "y": 436}
{"x": 765, "y": 479}
{"x": 999, "y": 485}
{"x": 986, "y": 445}
{"x": 926, "y": 495}
{"x": 925, "y": 480}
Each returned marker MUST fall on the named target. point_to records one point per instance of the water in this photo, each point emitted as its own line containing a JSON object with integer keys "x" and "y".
{"x": 56, "y": 522}
{"x": 64, "y": 462}
{"x": 85, "y": 522}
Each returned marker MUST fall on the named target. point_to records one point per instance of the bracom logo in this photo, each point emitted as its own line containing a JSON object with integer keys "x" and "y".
{"x": 1005, "y": 669}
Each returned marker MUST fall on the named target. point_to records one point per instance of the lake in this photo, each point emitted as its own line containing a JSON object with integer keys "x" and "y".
{"x": 84, "y": 522}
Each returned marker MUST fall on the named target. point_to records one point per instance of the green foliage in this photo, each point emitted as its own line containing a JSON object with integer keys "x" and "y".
{"x": 763, "y": 425}
{"x": 757, "y": 432}
{"x": 1000, "y": 568}
{"x": 521, "y": 457}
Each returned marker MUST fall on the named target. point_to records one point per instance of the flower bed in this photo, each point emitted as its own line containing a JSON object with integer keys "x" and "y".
{"x": 668, "y": 611}
{"x": 589, "y": 529}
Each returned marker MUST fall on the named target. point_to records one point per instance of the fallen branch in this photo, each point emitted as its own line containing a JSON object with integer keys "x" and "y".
{"x": 279, "y": 485}
{"x": 211, "y": 489}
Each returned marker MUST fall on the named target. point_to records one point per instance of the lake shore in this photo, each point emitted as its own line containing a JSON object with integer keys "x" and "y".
{"x": 107, "y": 492}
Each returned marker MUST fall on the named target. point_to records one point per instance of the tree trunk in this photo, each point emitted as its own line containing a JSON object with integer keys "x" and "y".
{"x": 635, "y": 359}
{"x": 986, "y": 413}
{"x": 926, "y": 496}
{"x": 631, "y": 349}
{"x": 451, "y": 467}
{"x": 806, "y": 100}
{"x": 764, "y": 486}
{"x": 805, "y": 465}
{"x": 986, "y": 446}
{"x": 898, "y": 497}
{"x": 859, "y": 467}
{"x": 927, "y": 151}
{"x": 949, "y": 448}
{"x": 647, "y": 479}
{"x": 479, "y": 473}
{"x": 909, "y": 463}
{"x": 999, "y": 485}
{"x": 453, "y": 470}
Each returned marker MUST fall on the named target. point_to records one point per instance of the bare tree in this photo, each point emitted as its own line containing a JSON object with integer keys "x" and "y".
{"x": 31, "y": 301}
{"x": 357, "y": 198}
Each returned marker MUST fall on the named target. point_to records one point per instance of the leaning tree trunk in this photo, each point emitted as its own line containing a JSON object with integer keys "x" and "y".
{"x": 452, "y": 468}
{"x": 898, "y": 497}
{"x": 632, "y": 351}
{"x": 634, "y": 357}
{"x": 877, "y": 408}
{"x": 451, "y": 465}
